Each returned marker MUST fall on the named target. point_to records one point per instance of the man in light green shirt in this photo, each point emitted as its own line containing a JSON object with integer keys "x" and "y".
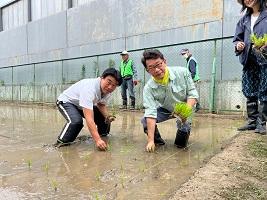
{"x": 167, "y": 86}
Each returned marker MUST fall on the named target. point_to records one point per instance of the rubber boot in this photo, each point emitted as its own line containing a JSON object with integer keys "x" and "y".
{"x": 132, "y": 104}
{"x": 182, "y": 136}
{"x": 261, "y": 121}
{"x": 253, "y": 113}
{"x": 124, "y": 104}
{"x": 157, "y": 137}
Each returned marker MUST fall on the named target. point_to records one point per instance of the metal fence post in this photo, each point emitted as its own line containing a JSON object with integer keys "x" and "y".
{"x": 213, "y": 80}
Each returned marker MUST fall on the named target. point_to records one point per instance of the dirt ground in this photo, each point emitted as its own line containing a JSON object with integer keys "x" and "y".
{"x": 239, "y": 171}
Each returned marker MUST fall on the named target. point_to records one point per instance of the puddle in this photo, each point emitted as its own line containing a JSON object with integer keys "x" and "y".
{"x": 30, "y": 168}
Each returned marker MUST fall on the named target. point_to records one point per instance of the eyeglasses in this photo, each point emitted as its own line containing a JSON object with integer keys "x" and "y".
{"x": 154, "y": 67}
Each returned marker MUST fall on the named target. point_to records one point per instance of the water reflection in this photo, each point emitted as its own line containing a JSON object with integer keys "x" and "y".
{"x": 126, "y": 171}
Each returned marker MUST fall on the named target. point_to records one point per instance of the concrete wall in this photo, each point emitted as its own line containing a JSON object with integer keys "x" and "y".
{"x": 110, "y": 26}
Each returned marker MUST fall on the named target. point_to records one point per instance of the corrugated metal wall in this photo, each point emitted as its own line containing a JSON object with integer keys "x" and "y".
{"x": 93, "y": 32}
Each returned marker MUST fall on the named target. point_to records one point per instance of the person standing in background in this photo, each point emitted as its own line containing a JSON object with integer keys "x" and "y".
{"x": 129, "y": 77}
{"x": 254, "y": 77}
{"x": 192, "y": 66}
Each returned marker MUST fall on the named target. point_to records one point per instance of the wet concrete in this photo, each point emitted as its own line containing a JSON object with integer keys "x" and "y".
{"x": 30, "y": 168}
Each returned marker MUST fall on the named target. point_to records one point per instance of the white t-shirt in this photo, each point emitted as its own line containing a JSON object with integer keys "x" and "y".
{"x": 84, "y": 94}
{"x": 253, "y": 20}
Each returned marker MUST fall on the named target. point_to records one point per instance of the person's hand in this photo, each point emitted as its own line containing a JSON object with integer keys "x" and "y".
{"x": 135, "y": 82}
{"x": 150, "y": 147}
{"x": 264, "y": 48}
{"x": 240, "y": 46}
{"x": 109, "y": 119}
{"x": 101, "y": 145}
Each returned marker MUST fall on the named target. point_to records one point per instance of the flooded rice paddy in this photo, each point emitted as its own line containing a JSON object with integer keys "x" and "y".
{"x": 31, "y": 168}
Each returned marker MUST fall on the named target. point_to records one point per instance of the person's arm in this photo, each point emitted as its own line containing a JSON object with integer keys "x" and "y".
{"x": 151, "y": 124}
{"x": 89, "y": 117}
{"x": 192, "y": 68}
{"x": 191, "y": 102}
{"x": 239, "y": 38}
{"x": 135, "y": 75}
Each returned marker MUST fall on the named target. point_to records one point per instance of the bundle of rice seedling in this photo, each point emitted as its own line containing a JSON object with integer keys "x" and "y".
{"x": 258, "y": 41}
{"x": 182, "y": 110}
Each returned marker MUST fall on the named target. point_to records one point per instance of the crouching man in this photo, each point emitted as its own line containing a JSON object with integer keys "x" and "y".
{"x": 87, "y": 99}
{"x": 167, "y": 86}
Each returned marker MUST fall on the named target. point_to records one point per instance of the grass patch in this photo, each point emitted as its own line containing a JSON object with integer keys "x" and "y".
{"x": 258, "y": 148}
{"x": 245, "y": 191}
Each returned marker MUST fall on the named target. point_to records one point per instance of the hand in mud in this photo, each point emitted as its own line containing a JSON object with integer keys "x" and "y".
{"x": 101, "y": 145}
{"x": 150, "y": 147}
{"x": 109, "y": 119}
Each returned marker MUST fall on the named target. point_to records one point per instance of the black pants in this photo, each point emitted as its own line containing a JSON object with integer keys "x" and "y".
{"x": 74, "y": 117}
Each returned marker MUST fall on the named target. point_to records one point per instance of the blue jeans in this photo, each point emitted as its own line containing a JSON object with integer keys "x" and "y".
{"x": 127, "y": 84}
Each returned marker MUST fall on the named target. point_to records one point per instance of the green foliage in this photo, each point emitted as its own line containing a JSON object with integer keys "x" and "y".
{"x": 182, "y": 110}
{"x": 29, "y": 162}
{"x": 2, "y": 82}
{"x": 54, "y": 184}
{"x": 258, "y": 41}
{"x": 83, "y": 71}
{"x": 111, "y": 63}
{"x": 258, "y": 148}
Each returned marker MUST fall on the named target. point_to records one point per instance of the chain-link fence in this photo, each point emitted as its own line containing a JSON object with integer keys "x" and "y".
{"x": 220, "y": 72}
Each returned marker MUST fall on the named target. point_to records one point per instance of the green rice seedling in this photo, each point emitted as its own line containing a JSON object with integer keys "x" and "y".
{"x": 122, "y": 180}
{"x": 122, "y": 168}
{"x": 46, "y": 167}
{"x": 29, "y": 162}
{"x": 109, "y": 146}
{"x": 98, "y": 175}
{"x": 113, "y": 110}
{"x": 258, "y": 41}
{"x": 54, "y": 184}
{"x": 182, "y": 110}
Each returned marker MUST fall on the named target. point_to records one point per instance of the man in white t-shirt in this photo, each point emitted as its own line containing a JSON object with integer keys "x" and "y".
{"x": 87, "y": 99}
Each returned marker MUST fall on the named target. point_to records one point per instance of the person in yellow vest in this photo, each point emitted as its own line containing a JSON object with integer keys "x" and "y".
{"x": 192, "y": 66}
{"x": 129, "y": 76}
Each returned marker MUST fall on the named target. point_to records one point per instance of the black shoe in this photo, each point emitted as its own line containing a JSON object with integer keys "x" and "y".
{"x": 260, "y": 129}
{"x": 132, "y": 108}
{"x": 182, "y": 136}
{"x": 157, "y": 137}
{"x": 123, "y": 107}
{"x": 59, "y": 144}
{"x": 103, "y": 134}
{"x": 158, "y": 140}
{"x": 247, "y": 127}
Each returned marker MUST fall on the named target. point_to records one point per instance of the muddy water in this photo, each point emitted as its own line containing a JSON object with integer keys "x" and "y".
{"x": 30, "y": 168}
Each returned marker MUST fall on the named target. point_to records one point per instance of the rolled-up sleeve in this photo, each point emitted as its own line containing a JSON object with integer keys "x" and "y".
{"x": 149, "y": 103}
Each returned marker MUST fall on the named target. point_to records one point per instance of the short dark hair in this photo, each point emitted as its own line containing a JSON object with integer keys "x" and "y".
{"x": 249, "y": 10}
{"x": 114, "y": 73}
{"x": 151, "y": 54}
